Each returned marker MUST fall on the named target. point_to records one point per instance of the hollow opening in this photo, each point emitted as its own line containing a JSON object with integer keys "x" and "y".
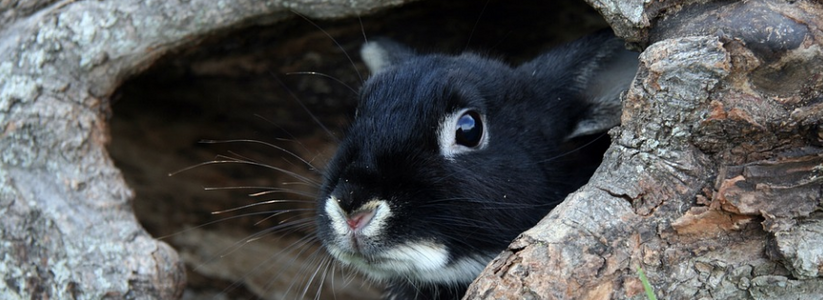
{"x": 236, "y": 87}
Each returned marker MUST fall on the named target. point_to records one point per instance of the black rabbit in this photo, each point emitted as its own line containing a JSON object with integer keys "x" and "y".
{"x": 450, "y": 157}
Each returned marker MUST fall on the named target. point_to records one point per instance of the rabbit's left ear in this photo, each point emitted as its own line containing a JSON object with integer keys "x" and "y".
{"x": 382, "y": 52}
{"x": 603, "y": 81}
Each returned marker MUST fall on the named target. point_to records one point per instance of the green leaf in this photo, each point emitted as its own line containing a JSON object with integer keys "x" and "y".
{"x": 646, "y": 285}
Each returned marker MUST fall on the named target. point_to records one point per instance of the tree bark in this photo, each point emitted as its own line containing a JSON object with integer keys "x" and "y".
{"x": 68, "y": 228}
{"x": 712, "y": 185}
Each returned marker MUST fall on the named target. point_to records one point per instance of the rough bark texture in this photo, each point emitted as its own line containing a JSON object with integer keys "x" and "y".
{"x": 712, "y": 184}
{"x": 68, "y": 230}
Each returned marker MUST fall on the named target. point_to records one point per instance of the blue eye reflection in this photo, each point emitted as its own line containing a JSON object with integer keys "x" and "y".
{"x": 469, "y": 129}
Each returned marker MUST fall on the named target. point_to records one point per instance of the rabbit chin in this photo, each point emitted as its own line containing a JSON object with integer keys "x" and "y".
{"x": 422, "y": 261}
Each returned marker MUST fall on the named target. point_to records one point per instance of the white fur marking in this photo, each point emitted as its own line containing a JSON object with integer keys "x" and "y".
{"x": 463, "y": 270}
{"x": 423, "y": 262}
{"x": 417, "y": 257}
{"x": 337, "y": 216}
{"x": 374, "y": 56}
{"x": 429, "y": 262}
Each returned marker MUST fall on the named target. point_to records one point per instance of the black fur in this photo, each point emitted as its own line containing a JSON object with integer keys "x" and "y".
{"x": 479, "y": 201}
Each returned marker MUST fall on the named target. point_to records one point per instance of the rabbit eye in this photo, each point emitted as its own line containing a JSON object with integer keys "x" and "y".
{"x": 469, "y": 129}
{"x": 462, "y": 132}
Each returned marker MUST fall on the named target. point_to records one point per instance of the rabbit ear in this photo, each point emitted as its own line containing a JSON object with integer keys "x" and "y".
{"x": 603, "y": 83}
{"x": 381, "y": 53}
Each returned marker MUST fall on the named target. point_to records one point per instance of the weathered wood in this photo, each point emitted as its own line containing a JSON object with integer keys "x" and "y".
{"x": 712, "y": 184}
{"x": 68, "y": 228}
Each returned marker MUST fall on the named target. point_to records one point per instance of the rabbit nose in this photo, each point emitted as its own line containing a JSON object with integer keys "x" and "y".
{"x": 359, "y": 220}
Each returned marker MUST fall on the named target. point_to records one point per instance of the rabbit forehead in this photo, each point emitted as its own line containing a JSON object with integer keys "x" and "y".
{"x": 408, "y": 90}
{"x": 411, "y": 101}
{"x": 433, "y": 81}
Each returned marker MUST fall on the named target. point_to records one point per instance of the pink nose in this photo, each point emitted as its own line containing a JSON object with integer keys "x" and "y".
{"x": 359, "y": 220}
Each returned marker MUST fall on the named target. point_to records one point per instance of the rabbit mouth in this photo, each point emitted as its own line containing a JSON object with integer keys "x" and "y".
{"x": 359, "y": 241}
